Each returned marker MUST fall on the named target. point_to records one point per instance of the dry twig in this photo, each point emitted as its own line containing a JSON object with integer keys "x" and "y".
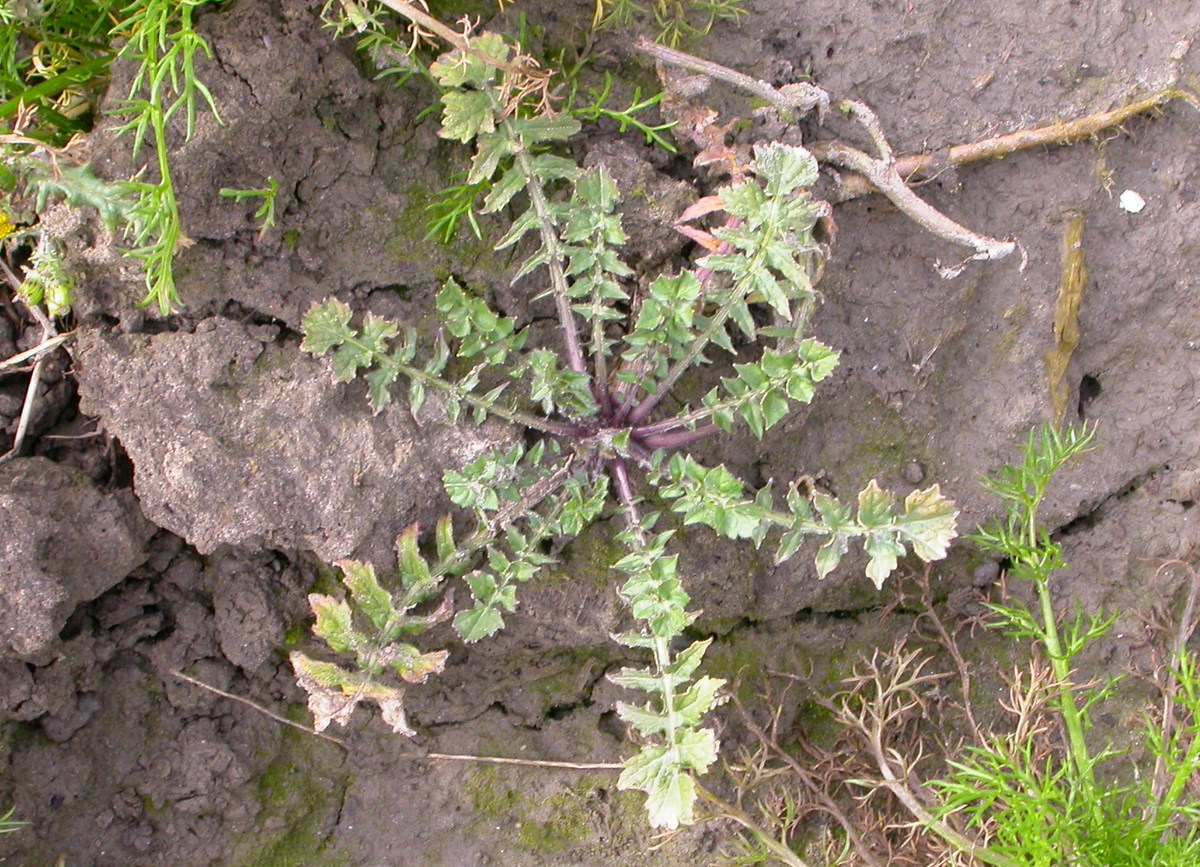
{"x": 881, "y": 171}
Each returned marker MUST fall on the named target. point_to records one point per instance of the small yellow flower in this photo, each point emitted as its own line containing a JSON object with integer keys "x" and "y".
{"x": 6, "y": 225}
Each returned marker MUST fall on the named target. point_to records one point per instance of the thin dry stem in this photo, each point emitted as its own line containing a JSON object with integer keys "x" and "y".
{"x": 1065, "y": 132}
{"x": 49, "y": 332}
{"x": 729, "y": 811}
{"x": 801, "y": 98}
{"x": 817, "y": 793}
{"x": 41, "y": 348}
{"x": 258, "y": 707}
{"x": 951, "y": 647}
{"x": 890, "y": 175}
{"x": 916, "y": 167}
{"x": 886, "y": 692}
{"x": 444, "y": 757}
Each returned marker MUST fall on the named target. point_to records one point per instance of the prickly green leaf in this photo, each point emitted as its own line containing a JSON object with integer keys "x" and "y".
{"x": 646, "y": 721}
{"x": 697, "y": 700}
{"x": 667, "y": 314}
{"x": 502, "y": 192}
{"x": 377, "y": 331}
{"x": 486, "y": 590}
{"x": 380, "y": 381}
{"x": 480, "y": 410}
{"x": 441, "y": 356}
{"x": 559, "y": 388}
{"x": 334, "y": 622}
{"x": 789, "y": 544}
{"x": 768, "y": 289}
{"x": 370, "y": 598}
{"x": 764, "y": 502}
{"x": 830, "y": 554}
{"x": 490, "y": 149}
{"x": 325, "y": 326}
{"x": 348, "y": 358}
{"x": 697, "y": 750}
{"x": 687, "y": 661}
{"x": 819, "y": 361}
{"x": 634, "y": 639}
{"x": 664, "y": 611}
{"x": 521, "y": 226}
{"x": 582, "y": 504}
{"x": 874, "y": 506}
{"x": 480, "y": 330}
{"x": 714, "y": 497}
{"x": 548, "y": 168}
{"x": 414, "y": 571}
{"x": 466, "y": 114}
{"x": 638, "y": 678}
{"x": 670, "y": 793}
{"x": 597, "y": 189}
{"x": 446, "y": 549}
{"x": 745, "y": 200}
{"x": 884, "y": 551}
{"x": 928, "y": 523}
{"x": 543, "y": 128}
{"x": 479, "y": 621}
{"x": 411, "y": 664}
{"x": 662, "y": 773}
{"x": 458, "y": 68}
{"x": 416, "y": 396}
{"x": 784, "y": 168}
{"x": 835, "y": 515}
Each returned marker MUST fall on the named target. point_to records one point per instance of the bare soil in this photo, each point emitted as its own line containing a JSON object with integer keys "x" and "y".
{"x": 228, "y": 468}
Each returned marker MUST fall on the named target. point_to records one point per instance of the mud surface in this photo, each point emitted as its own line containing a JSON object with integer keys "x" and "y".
{"x": 185, "y": 537}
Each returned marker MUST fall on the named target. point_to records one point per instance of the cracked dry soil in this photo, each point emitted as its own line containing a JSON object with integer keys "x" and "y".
{"x": 185, "y": 536}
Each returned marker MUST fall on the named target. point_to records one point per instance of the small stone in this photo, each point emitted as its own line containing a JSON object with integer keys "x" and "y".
{"x": 914, "y": 473}
{"x": 1131, "y": 202}
{"x": 985, "y": 574}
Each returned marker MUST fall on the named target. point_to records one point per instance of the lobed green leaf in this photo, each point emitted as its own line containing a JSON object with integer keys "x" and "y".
{"x": 370, "y": 598}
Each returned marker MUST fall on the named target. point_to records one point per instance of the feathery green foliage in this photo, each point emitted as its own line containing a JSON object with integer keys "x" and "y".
{"x": 54, "y": 57}
{"x": 1071, "y": 806}
{"x": 51, "y": 93}
{"x": 672, "y": 20}
{"x": 163, "y": 41}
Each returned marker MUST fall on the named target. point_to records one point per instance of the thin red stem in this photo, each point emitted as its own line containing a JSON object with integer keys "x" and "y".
{"x": 676, "y": 439}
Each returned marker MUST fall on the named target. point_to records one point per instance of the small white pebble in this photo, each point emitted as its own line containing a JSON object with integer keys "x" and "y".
{"x": 1132, "y": 202}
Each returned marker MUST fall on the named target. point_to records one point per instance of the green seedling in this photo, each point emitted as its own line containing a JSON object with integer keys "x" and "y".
{"x": 266, "y": 211}
{"x": 8, "y": 824}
